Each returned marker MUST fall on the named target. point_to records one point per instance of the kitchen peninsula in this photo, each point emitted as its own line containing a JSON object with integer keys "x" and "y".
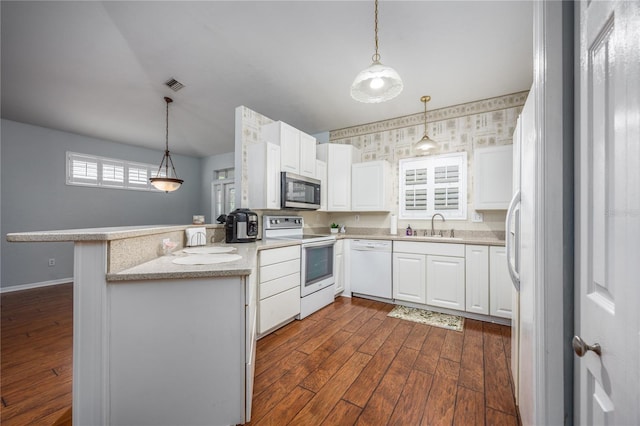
{"x": 155, "y": 342}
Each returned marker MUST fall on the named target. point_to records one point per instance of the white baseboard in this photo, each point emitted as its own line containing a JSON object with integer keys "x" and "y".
{"x": 35, "y": 285}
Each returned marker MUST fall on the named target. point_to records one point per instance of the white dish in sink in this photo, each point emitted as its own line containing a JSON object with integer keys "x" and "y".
{"x": 209, "y": 250}
{"x": 206, "y": 259}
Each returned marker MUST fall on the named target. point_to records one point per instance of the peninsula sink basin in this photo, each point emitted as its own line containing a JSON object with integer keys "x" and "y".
{"x": 206, "y": 259}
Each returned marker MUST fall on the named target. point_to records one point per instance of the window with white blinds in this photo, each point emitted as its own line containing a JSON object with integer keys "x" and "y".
{"x": 91, "y": 170}
{"x": 435, "y": 184}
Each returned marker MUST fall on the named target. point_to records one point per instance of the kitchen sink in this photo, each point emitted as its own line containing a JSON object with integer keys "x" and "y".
{"x": 438, "y": 238}
{"x": 206, "y": 259}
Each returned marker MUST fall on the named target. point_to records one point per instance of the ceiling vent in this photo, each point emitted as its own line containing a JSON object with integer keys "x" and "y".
{"x": 174, "y": 84}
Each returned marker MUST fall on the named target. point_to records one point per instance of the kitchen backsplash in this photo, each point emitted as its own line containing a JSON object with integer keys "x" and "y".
{"x": 458, "y": 128}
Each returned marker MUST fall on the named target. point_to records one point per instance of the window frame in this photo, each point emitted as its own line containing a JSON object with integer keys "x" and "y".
{"x": 429, "y": 164}
{"x": 100, "y": 181}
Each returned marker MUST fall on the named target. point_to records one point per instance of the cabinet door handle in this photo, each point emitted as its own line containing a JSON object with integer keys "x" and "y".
{"x": 515, "y": 276}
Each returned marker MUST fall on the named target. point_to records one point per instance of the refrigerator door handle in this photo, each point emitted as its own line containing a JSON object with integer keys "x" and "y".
{"x": 515, "y": 276}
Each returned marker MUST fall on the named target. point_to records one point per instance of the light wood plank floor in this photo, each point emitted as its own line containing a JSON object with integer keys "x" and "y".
{"x": 346, "y": 364}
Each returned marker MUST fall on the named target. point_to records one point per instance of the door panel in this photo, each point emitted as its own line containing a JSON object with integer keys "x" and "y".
{"x": 608, "y": 213}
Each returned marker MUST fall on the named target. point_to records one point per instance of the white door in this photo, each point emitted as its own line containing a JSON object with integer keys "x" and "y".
{"x": 477, "y": 279}
{"x": 500, "y": 287}
{"x": 608, "y": 214}
{"x": 445, "y": 282}
{"x": 409, "y": 277}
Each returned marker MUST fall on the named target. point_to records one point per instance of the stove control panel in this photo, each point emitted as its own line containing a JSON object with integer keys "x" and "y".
{"x": 282, "y": 222}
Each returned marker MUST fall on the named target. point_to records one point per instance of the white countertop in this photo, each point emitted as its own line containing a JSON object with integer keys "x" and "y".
{"x": 98, "y": 234}
{"x": 445, "y": 240}
{"x": 163, "y": 268}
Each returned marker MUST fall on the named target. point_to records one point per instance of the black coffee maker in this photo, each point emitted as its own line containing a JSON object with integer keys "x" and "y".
{"x": 241, "y": 226}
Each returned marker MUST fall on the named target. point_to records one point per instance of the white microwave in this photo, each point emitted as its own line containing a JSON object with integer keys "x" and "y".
{"x": 299, "y": 192}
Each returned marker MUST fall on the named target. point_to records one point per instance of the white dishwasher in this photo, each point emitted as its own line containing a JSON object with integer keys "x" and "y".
{"x": 371, "y": 268}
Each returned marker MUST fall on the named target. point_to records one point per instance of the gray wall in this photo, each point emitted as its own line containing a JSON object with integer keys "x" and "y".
{"x": 35, "y": 197}
{"x": 209, "y": 165}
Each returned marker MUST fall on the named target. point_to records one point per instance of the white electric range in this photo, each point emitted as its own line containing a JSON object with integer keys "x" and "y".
{"x": 316, "y": 260}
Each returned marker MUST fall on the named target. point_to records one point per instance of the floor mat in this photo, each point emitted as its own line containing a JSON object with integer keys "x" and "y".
{"x": 423, "y": 316}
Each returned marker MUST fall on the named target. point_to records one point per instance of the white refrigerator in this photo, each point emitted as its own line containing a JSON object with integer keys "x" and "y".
{"x": 520, "y": 242}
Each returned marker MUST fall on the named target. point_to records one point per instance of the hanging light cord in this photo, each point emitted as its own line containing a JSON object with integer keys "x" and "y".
{"x": 376, "y": 56}
{"x": 167, "y": 158}
{"x": 425, "y": 99}
{"x": 425, "y": 117}
{"x": 166, "y": 138}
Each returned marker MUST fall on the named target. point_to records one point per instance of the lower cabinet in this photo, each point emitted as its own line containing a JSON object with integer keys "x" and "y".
{"x": 278, "y": 287}
{"x": 500, "y": 286}
{"x": 338, "y": 266}
{"x": 446, "y": 282}
{"x": 471, "y": 278}
{"x": 409, "y": 277}
{"x": 477, "y": 282}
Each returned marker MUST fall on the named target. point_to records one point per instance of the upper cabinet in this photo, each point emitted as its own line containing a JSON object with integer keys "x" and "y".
{"x": 297, "y": 149}
{"x": 263, "y": 172}
{"x": 338, "y": 158}
{"x": 321, "y": 175}
{"x": 371, "y": 186}
{"x": 493, "y": 174}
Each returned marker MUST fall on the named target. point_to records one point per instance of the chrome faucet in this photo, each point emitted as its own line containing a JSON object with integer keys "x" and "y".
{"x": 433, "y": 231}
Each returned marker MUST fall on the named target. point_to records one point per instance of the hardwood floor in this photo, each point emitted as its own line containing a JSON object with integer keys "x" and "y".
{"x": 36, "y": 367}
{"x": 344, "y": 365}
{"x": 351, "y": 364}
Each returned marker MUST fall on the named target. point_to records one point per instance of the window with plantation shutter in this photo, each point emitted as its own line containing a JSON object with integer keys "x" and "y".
{"x": 82, "y": 169}
{"x": 435, "y": 184}
{"x": 113, "y": 173}
{"x": 101, "y": 172}
{"x": 138, "y": 176}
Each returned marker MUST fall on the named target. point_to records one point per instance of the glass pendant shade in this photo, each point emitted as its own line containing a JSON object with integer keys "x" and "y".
{"x": 377, "y": 83}
{"x": 425, "y": 144}
{"x": 166, "y": 184}
{"x": 164, "y": 181}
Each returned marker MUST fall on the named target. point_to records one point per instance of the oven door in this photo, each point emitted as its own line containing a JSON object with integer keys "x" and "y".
{"x": 316, "y": 269}
{"x": 299, "y": 192}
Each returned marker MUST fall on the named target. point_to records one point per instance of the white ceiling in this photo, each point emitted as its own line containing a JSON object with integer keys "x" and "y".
{"x": 98, "y": 68}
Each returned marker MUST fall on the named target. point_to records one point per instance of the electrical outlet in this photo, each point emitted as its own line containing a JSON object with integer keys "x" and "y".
{"x": 52, "y": 262}
{"x": 357, "y": 218}
{"x": 477, "y": 217}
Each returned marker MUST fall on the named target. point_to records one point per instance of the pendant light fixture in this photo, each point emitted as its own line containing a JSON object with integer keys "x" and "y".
{"x": 426, "y": 143}
{"x": 377, "y": 83}
{"x": 164, "y": 181}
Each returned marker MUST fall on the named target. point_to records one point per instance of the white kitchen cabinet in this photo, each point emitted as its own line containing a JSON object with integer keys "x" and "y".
{"x": 339, "y": 158}
{"x": 431, "y": 273}
{"x": 297, "y": 149}
{"x": 307, "y": 155}
{"x": 321, "y": 175}
{"x": 251, "y": 336}
{"x": 500, "y": 286}
{"x": 477, "y": 279}
{"x": 409, "y": 277}
{"x": 371, "y": 186}
{"x": 338, "y": 266}
{"x": 492, "y": 177}
{"x": 278, "y": 287}
{"x": 446, "y": 282}
{"x": 263, "y": 170}
{"x": 194, "y": 327}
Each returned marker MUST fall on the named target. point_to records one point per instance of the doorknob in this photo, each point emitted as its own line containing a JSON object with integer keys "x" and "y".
{"x": 580, "y": 347}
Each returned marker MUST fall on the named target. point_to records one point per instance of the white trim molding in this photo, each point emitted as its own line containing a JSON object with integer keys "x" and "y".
{"x": 30, "y": 286}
